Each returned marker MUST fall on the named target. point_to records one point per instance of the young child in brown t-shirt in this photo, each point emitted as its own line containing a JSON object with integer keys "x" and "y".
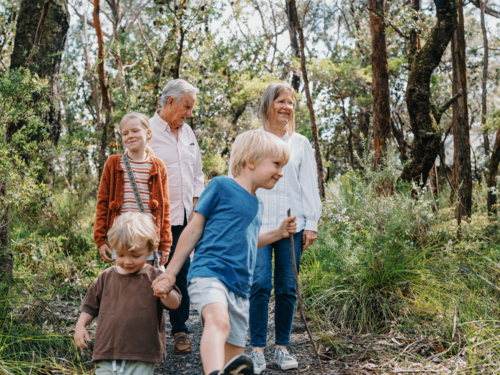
{"x": 131, "y": 325}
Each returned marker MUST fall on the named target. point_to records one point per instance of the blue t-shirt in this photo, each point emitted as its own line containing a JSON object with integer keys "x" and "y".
{"x": 228, "y": 248}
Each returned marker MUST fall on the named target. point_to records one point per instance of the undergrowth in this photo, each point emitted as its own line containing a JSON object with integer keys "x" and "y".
{"x": 385, "y": 261}
{"x": 54, "y": 262}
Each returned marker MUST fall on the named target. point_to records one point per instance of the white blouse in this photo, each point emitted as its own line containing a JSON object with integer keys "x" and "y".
{"x": 297, "y": 189}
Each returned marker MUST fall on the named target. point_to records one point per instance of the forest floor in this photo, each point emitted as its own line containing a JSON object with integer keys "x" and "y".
{"x": 371, "y": 354}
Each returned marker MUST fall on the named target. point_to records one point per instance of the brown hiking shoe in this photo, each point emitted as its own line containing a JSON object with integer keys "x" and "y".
{"x": 181, "y": 343}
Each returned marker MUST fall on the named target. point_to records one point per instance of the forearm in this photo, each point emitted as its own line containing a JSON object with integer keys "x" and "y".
{"x": 187, "y": 242}
{"x": 172, "y": 301}
{"x": 84, "y": 320}
{"x": 269, "y": 237}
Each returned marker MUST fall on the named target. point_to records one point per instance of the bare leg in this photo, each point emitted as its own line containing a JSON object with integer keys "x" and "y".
{"x": 215, "y": 333}
{"x": 260, "y": 350}
{"x": 232, "y": 351}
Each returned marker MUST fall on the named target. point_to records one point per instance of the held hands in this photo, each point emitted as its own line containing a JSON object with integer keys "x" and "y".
{"x": 102, "y": 252}
{"x": 81, "y": 337}
{"x": 163, "y": 285}
{"x": 287, "y": 226}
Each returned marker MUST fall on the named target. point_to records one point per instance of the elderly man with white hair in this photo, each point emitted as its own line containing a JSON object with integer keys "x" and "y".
{"x": 174, "y": 142}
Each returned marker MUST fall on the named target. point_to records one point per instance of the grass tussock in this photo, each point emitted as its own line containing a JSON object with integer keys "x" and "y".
{"x": 389, "y": 263}
{"x": 54, "y": 261}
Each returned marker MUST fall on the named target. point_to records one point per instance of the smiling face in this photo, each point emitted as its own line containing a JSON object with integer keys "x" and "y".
{"x": 134, "y": 135}
{"x": 132, "y": 261}
{"x": 176, "y": 113}
{"x": 281, "y": 111}
{"x": 267, "y": 172}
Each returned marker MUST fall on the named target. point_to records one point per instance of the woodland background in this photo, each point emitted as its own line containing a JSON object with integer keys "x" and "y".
{"x": 405, "y": 273}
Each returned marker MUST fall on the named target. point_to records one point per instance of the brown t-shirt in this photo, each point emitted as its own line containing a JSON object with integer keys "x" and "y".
{"x": 131, "y": 324}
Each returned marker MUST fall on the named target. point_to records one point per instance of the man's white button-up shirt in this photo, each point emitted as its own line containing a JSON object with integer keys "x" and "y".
{"x": 183, "y": 161}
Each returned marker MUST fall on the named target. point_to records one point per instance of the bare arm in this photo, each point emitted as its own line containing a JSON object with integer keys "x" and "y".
{"x": 187, "y": 242}
{"x": 81, "y": 334}
{"x": 287, "y": 226}
{"x": 172, "y": 301}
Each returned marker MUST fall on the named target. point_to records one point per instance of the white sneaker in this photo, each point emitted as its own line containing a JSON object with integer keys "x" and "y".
{"x": 259, "y": 361}
{"x": 285, "y": 360}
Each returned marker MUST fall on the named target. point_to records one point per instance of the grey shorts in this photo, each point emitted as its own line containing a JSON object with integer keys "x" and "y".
{"x": 206, "y": 290}
{"x": 129, "y": 368}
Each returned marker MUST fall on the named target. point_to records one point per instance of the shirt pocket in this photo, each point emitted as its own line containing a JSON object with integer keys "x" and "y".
{"x": 189, "y": 154}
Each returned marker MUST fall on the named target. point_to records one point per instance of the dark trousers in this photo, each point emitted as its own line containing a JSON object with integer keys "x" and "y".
{"x": 284, "y": 291}
{"x": 179, "y": 317}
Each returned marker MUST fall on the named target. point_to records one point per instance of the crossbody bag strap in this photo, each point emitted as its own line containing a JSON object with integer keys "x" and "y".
{"x": 138, "y": 198}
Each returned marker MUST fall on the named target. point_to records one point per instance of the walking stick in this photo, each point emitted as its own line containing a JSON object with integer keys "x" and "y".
{"x": 299, "y": 300}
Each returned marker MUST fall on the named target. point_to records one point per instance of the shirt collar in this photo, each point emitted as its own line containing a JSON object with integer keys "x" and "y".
{"x": 284, "y": 138}
{"x": 163, "y": 124}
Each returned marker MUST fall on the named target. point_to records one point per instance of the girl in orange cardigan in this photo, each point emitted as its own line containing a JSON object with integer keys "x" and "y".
{"x": 115, "y": 192}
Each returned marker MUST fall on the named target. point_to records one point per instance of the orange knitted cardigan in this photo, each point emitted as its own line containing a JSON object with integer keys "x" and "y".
{"x": 110, "y": 200}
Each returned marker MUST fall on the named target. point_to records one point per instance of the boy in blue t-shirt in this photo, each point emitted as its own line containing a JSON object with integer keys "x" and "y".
{"x": 225, "y": 234}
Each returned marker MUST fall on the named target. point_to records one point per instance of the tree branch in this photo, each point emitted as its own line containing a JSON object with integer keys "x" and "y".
{"x": 39, "y": 30}
{"x": 385, "y": 20}
{"x": 492, "y": 12}
{"x": 449, "y": 103}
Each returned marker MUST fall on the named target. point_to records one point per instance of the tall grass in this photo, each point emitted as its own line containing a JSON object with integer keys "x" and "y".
{"x": 54, "y": 261}
{"x": 389, "y": 262}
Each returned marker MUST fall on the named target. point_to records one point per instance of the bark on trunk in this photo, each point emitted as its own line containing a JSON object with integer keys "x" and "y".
{"x": 292, "y": 29}
{"x": 103, "y": 84}
{"x": 424, "y": 117}
{"x": 380, "y": 82}
{"x": 492, "y": 175}
{"x": 47, "y": 57}
{"x": 485, "y": 79}
{"x": 317, "y": 148}
{"x": 461, "y": 137}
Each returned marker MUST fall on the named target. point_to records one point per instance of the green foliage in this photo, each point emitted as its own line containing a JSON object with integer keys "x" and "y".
{"x": 20, "y": 159}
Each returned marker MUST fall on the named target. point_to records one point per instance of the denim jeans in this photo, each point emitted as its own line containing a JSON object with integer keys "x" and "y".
{"x": 284, "y": 291}
{"x": 179, "y": 317}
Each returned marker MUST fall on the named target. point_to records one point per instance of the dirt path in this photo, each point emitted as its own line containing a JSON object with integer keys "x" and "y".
{"x": 191, "y": 364}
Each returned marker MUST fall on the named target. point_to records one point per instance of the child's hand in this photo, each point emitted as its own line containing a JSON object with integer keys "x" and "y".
{"x": 288, "y": 226}
{"x": 102, "y": 252}
{"x": 81, "y": 336}
{"x": 163, "y": 285}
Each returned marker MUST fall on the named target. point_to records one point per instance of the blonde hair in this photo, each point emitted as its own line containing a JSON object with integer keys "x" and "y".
{"x": 270, "y": 95}
{"x": 257, "y": 145}
{"x": 131, "y": 230}
{"x": 143, "y": 120}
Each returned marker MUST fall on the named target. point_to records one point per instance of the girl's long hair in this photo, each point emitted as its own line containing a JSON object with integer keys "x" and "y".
{"x": 143, "y": 120}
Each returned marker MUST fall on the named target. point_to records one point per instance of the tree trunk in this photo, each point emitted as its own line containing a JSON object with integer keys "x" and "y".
{"x": 103, "y": 84}
{"x": 292, "y": 29}
{"x": 492, "y": 175}
{"x": 380, "y": 82}
{"x": 47, "y": 58}
{"x": 461, "y": 137}
{"x": 485, "y": 79}
{"x": 317, "y": 148}
{"x": 424, "y": 117}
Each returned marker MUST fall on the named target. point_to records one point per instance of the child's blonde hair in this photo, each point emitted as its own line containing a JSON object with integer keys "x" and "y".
{"x": 131, "y": 230}
{"x": 257, "y": 145}
{"x": 143, "y": 120}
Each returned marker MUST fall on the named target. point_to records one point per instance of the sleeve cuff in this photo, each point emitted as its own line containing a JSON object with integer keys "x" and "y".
{"x": 100, "y": 242}
{"x": 311, "y": 225}
{"x": 197, "y": 192}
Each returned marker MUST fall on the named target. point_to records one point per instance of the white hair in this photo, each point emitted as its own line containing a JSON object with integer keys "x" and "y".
{"x": 176, "y": 89}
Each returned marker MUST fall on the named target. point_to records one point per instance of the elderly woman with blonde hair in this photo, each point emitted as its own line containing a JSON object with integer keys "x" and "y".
{"x": 298, "y": 191}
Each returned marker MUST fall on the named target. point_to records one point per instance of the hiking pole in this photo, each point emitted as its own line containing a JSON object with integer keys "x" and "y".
{"x": 299, "y": 299}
